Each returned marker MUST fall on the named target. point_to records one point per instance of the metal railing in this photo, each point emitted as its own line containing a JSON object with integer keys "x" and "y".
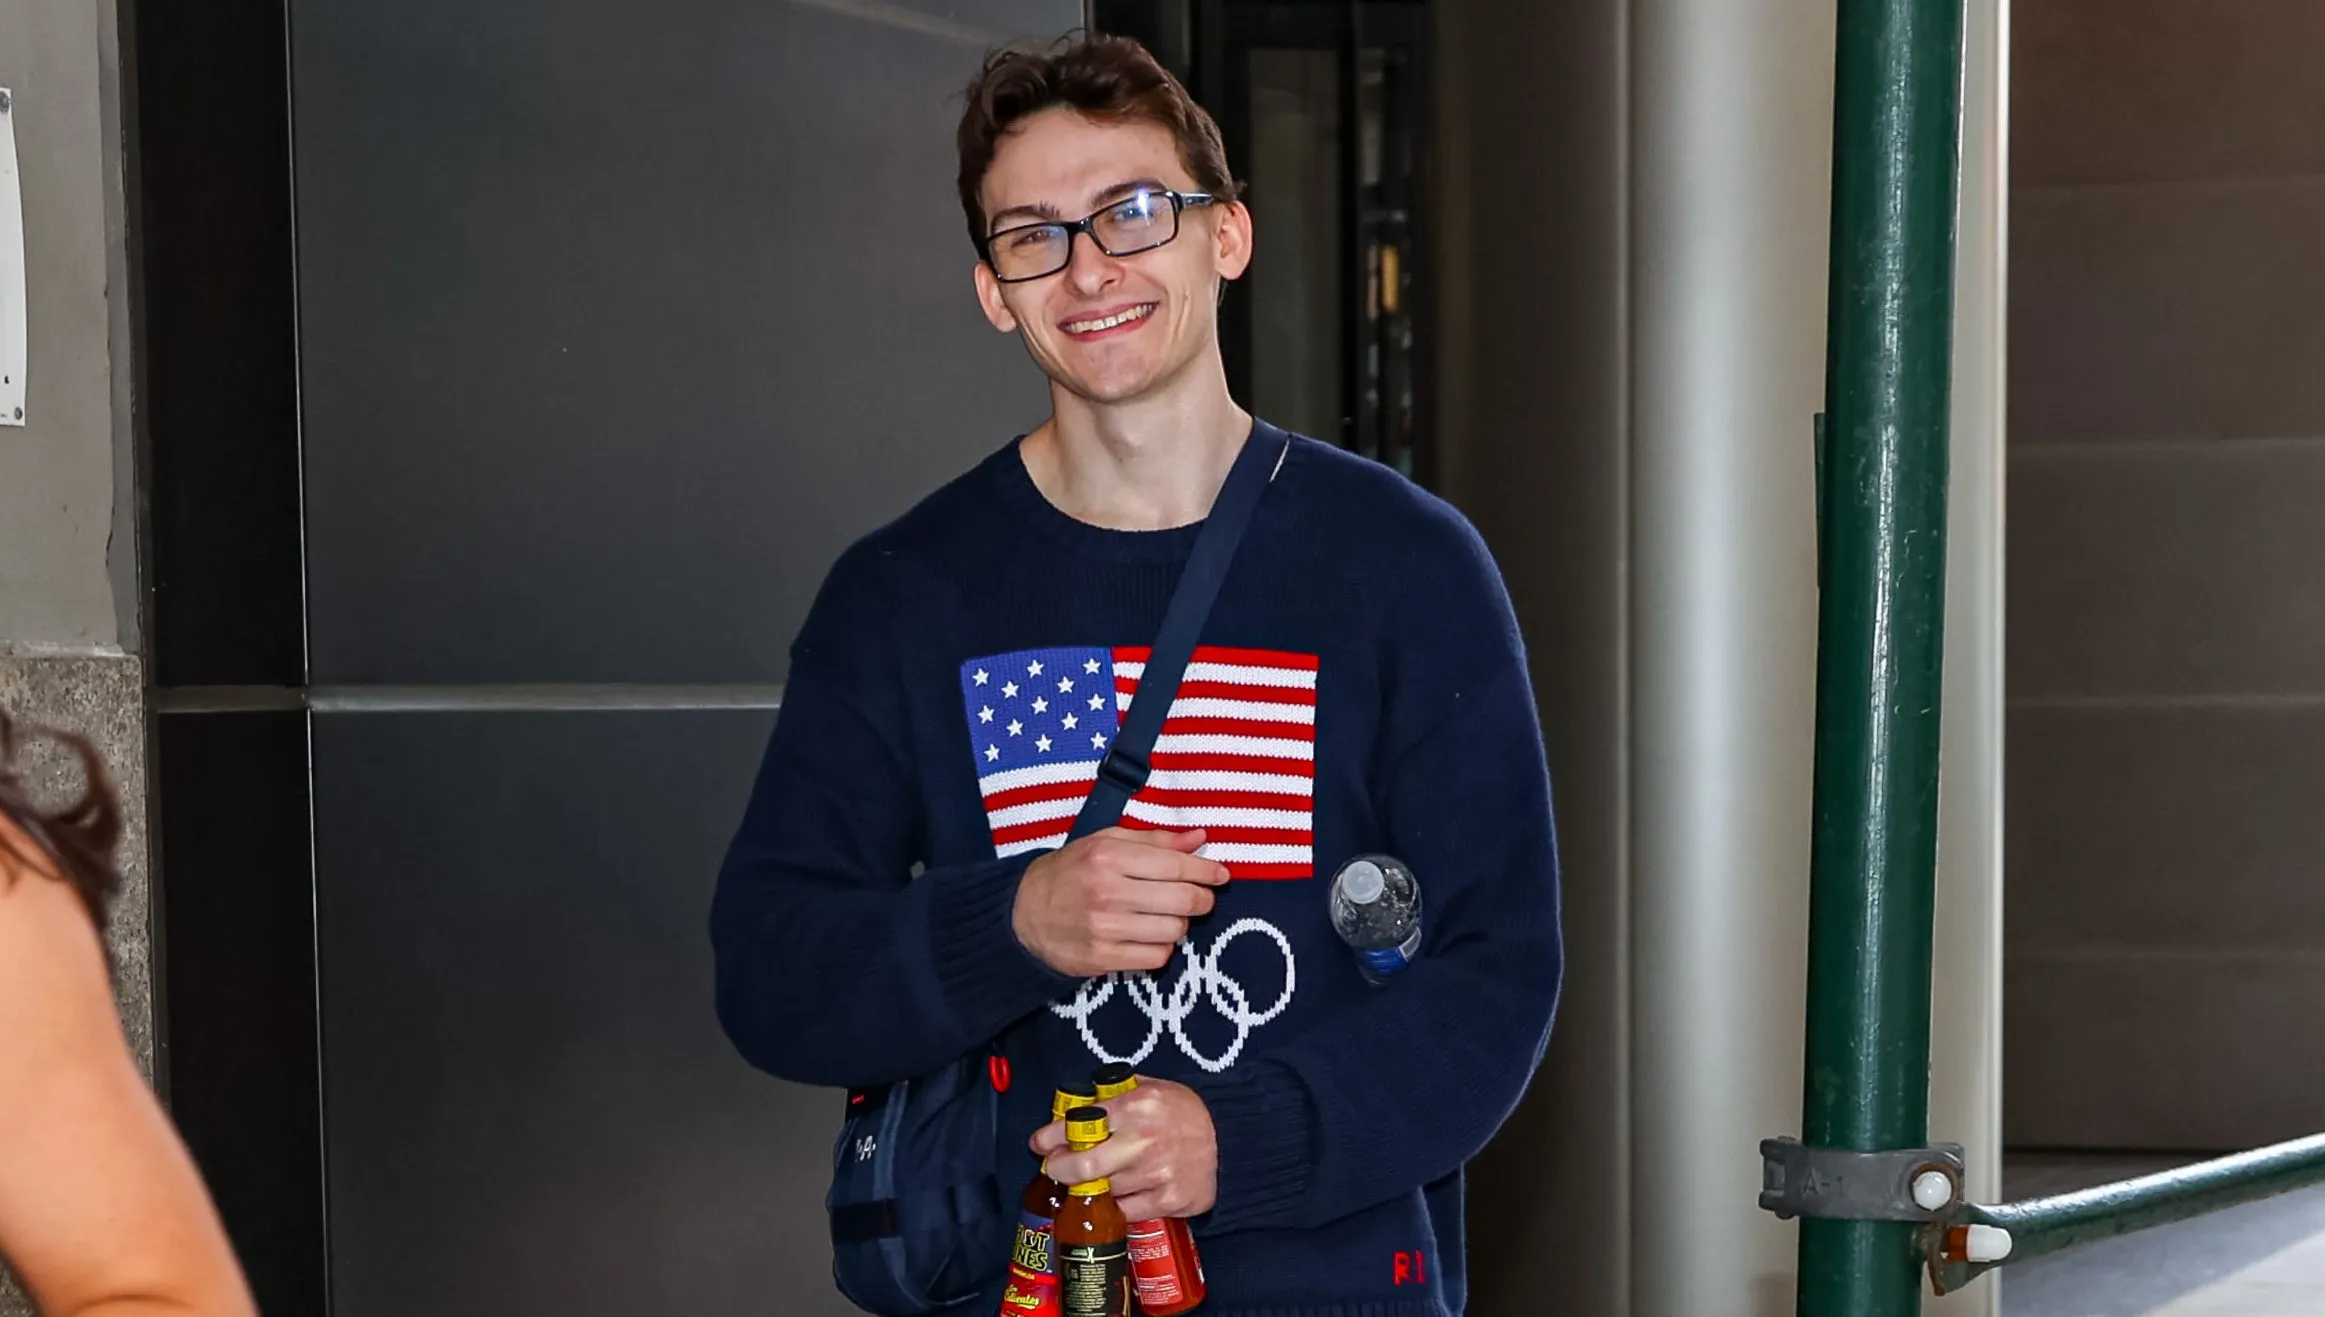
{"x": 1879, "y": 1205}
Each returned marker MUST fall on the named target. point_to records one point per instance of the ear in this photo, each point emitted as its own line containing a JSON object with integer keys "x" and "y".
{"x": 989, "y": 297}
{"x": 1233, "y": 254}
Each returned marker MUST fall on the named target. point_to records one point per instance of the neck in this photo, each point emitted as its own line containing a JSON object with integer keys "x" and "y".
{"x": 1151, "y": 463}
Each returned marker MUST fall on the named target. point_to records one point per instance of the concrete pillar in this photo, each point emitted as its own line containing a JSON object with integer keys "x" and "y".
{"x": 1731, "y": 161}
{"x": 68, "y": 598}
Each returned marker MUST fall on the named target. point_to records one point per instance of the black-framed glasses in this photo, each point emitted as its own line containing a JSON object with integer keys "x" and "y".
{"x": 1142, "y": 221}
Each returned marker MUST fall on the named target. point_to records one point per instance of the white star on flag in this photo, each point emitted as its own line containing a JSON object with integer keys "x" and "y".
{"x": 985, "y": 715}
{"x": 1097, "y": 702}
{"x": 1040, "y": 706}
{"x": 1015, "y": 727}
{"x": 1091, "y": 667}
{"x": 1042, "y": 745}
{"x": 1033, "y": 669}
{"x": 992, "y": 752}
{"x": 1097, "y": 742}
{"x": 1070, "y": 721}
{"x": 1009, "y": 689}
{"x": 983, "y": 676}
{"x": 1065, "y": 684}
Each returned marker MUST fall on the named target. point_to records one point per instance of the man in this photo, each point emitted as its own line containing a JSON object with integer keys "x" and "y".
{"x": 1361, "y": 688}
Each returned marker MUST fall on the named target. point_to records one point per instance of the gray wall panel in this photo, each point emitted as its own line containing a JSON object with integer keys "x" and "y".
{"x": 2167, "y": 645}
{"x": 531, "y": 1107}
{"x": 618, "y": 322}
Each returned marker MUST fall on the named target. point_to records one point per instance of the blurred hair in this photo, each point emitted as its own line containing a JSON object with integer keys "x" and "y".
{"x": 73, "y": 844}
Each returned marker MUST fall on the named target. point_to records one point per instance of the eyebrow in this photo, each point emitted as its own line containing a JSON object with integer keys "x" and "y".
{"x": 1043, "y": 212}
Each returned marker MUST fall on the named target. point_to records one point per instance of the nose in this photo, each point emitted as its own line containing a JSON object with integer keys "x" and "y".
{"x": 1088, "y": 268}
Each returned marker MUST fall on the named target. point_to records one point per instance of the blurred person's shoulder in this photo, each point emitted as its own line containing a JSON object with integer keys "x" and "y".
{"x": 55, "y": 993}
{"x": 37, "y": 905}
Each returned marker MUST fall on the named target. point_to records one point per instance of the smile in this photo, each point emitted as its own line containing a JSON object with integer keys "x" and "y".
{"x": 1100, "y": 325}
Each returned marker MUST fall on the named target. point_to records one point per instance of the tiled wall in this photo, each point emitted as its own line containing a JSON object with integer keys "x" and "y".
{"x": 473, "y": 585}
{"x": 2166, "y": 916}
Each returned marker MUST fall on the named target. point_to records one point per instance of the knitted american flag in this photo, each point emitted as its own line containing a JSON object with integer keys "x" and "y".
{"x": 1236, "y": 757}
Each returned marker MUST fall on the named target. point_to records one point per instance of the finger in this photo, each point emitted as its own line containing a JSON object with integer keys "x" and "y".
{"x": 1147, "y": 1206}
{"x": 1184, "y": 841}
{"x": 1159, "y": 839}
{"x": 1141, "y": 1176}
{"x": 1155, "y": 864}
{"x": 1136, "y": 1115}
{"x": 1180, "y": 900}
{"x": 1166, "y": 863}
{"x": 1100, "y": 1163}
{"x": 1134, "y": 929}
{"x": 1196, "y": 869}
{"x": 1175, "y": 901}
{"x": 1049, "y": 1140}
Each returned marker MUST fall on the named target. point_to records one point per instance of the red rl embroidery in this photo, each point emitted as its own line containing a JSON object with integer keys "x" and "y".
{"x": 1411, "y": 1268}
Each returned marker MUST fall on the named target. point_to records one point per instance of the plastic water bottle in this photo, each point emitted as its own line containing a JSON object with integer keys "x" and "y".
{"x": 1376, "y": 909}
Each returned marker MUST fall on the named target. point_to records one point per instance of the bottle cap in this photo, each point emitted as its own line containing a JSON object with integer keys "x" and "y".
{"x": 1085, "y": 1128}
{"x": 1362, "y": 882}
{"x": 1114, "y": 1079}
{"x": 1066, "y": 1101}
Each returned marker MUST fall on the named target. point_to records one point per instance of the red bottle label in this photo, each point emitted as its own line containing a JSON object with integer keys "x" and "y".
{"x": 1033, "y": 1271}
{"x": 1154, "y": 1265}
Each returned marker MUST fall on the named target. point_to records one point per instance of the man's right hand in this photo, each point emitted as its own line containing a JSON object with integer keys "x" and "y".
{"x": 1114, "y": 900}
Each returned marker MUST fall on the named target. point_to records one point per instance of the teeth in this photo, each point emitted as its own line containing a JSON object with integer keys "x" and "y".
{"x": 1093, "y": 326}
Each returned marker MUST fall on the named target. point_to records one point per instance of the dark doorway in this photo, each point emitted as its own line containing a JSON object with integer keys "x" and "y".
{"x": 1324, "y": 105}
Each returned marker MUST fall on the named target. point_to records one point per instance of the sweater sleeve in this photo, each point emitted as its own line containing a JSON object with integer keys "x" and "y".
{"x": 1378, "y": 1101}
{"x": 836, "y": 964}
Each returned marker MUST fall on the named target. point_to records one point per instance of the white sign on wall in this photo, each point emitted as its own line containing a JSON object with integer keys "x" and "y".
{"x": 12, "y": 347}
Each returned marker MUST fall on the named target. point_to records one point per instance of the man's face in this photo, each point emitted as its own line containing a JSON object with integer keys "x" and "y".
{"x": 1110, "y": 329}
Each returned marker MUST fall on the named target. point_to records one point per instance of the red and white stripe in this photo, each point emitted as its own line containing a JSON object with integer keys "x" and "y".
{"x": 1236, "y": 757}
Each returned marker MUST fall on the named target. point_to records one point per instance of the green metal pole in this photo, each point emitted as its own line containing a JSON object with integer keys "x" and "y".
{"x": 1888, "y": 364}
{"x": 2042, "y": 1226}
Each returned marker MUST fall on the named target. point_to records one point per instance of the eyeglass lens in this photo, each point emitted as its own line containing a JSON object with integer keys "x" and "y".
{"x": 1133, "y": 224}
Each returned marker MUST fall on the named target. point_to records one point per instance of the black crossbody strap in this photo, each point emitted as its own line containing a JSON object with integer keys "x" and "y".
{"x": 1128, "y": 760}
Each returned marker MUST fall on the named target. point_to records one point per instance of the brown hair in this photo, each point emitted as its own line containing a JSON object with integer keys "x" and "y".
{"x": 1112, "y": 79}
{"x": 75, "y": 843}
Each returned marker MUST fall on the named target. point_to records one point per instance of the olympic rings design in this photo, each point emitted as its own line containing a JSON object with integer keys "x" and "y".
{"x": 1199, "y": 980}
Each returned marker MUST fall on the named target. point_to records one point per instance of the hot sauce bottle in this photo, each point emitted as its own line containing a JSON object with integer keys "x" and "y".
{"x": 1033, "y": 1269}
{"x": 1093, "y": 1241}
{"x": 1164, "y": 1268}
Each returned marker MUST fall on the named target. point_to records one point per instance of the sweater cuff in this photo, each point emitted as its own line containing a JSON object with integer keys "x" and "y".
{"x": 988, "y": 977}
{"x": 1267, "y": 1152}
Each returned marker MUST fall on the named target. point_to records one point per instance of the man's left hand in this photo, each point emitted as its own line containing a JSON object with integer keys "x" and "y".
{"x": 1160, "y": 1151}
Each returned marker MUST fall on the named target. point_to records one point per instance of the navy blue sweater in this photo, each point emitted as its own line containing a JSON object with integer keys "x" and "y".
{"x": 1361, "y": 688}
